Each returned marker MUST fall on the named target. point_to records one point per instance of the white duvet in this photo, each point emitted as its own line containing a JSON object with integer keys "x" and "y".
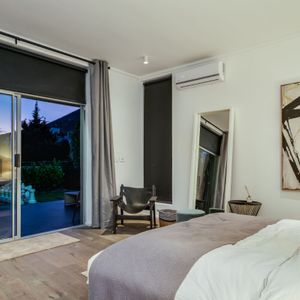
{"x": 90, "y": 261}
{"x": 264, "y": 266}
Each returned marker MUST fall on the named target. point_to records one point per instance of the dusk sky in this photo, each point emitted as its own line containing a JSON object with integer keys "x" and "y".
{"x": 51, "y": 111}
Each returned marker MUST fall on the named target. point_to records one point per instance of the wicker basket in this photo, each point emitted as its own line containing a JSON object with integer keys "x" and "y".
{"x": 167, "y": 217}
{"x": 244, "y": 208}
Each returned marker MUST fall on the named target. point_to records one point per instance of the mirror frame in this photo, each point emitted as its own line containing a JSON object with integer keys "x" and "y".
{"x": 195, "y": 157}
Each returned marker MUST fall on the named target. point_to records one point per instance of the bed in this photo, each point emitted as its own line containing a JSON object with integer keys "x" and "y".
{"x": 154, "y": 264}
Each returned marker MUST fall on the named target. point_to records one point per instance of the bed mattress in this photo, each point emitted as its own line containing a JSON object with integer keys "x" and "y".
{"x": 153, "y": 264}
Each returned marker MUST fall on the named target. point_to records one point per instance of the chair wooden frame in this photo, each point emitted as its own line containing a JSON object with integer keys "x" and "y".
{"x": 119, "y": 205}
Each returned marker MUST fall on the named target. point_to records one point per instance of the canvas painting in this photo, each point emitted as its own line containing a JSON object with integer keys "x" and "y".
{"x": 290, "y": 104}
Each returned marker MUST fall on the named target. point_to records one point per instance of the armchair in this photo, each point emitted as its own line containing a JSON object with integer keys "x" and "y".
{"x": 136, "y": 200}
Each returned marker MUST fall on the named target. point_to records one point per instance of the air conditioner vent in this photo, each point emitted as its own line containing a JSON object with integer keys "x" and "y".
{"x": 207, "y": 73}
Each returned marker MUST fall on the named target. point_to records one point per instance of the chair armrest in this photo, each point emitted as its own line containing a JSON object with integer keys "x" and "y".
{"x": 116, "y": 198}
{"x": 153, "y": 199}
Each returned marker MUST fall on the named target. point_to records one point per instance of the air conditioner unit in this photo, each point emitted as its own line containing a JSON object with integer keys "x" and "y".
{"x": 206, "y": 73}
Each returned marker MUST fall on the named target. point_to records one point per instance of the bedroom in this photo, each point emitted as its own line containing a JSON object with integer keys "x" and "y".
{"x": 258, "y": 42}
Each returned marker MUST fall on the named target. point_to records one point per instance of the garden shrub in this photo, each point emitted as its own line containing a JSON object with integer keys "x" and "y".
{"x": 43, "y": 176}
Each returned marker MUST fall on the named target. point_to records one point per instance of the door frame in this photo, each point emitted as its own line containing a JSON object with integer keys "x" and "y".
{"x": 15, "y": 180}
{"x": 16, "y": 148}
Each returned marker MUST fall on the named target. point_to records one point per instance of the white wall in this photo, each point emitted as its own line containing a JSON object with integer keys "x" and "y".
{"x": 252, "y": 88}
{"x": 127, "y": 117}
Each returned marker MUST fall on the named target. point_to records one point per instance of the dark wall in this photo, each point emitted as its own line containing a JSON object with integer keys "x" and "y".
{"x": 158, "y": 137}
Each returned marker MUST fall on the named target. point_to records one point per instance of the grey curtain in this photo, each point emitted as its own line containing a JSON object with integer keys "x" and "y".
{"x": 103, "y": 166}
{"x": 219, "y": 198}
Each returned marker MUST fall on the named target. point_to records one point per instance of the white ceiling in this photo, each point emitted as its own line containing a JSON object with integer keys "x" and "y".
{"x": 171, "y": 32}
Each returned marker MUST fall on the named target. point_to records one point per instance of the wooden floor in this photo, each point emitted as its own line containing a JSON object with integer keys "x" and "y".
{"x": 56, "y": 273}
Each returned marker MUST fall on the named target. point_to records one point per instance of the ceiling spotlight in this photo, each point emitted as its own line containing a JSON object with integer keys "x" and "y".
{"x": 146, "y": 60}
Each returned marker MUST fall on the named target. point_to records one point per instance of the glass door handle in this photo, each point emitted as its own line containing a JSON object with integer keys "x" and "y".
{"x": 17, "y": 160}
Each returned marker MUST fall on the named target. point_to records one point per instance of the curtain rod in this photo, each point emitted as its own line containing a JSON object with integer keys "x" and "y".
{"x": 212, "y": 124}
{"x": 20, "y": 39}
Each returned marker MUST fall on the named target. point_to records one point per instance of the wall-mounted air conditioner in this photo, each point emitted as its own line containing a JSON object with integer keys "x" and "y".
{"x": 206, "y": 73}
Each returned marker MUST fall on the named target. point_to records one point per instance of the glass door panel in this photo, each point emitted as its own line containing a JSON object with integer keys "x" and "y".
{"x": 50, "y": 166}
{"x": 40, "y": 165}
{"x": 7, "y": 184}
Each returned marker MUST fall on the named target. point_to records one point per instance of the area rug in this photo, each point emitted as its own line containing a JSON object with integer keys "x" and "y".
{"x": 112, "y": 238}
{"x": 35, "y": 244}
{"x": 115, "y": 237}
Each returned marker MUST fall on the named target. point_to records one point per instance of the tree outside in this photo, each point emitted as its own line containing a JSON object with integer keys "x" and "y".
{"x": 51, "y": 154}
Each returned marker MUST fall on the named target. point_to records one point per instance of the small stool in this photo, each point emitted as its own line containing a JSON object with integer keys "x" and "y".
{"x": 187, "y": 214}
{"x": 214, "y": 210}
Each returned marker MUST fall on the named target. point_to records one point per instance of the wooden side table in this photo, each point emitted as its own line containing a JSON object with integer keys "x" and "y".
{"x": 243, "y": 207}
{"x": 71, "y": 197}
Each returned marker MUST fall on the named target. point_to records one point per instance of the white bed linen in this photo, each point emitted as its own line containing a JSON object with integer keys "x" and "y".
{"x": 90, "y": 261}
{"x": 263, "y": 266}
{"x": 284, "y": 282}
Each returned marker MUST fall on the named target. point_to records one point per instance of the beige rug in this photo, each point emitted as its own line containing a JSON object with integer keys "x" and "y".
{"x": 115, "y": 237}
{"x": 35, "y": 244}
{"x": 112, "y": 238}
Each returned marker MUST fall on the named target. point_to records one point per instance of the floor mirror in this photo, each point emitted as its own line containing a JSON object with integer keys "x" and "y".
{"x": 211, "y": 163}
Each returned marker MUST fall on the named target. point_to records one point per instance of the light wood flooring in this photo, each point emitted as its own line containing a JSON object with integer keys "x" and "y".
{"x": 56, "y": 273}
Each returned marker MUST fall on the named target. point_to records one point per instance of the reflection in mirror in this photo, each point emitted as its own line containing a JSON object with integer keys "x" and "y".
{"x": 212, "y": 161}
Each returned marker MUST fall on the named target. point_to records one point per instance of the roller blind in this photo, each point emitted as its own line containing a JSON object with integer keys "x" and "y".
{"x": 210, "y": 141}
{"x": 158, "y": 137}
{"x": 26, "y": 72}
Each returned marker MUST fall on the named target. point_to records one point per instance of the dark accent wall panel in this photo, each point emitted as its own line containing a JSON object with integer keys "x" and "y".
{"x": 25, "y": 72}
{"x": 158, "y": 137}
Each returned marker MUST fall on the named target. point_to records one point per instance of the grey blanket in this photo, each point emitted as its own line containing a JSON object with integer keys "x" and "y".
{"x": 153, "y": 264}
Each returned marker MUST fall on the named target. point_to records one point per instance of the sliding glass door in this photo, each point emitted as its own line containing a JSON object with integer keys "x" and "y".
{"x": 40, "y": 165}
{"x": 51, "y": 169}
{"x": 7, "y": 168}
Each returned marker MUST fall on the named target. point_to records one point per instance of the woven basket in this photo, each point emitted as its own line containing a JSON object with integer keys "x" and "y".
{"x": 167, "y": 217}
{"x": 163, "y": 223}
{"x": 244, "y": 208}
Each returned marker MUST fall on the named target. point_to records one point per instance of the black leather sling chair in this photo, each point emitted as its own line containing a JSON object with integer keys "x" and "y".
{"x": 136, "y": 200}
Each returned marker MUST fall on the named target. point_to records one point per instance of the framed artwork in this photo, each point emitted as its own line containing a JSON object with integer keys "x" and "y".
{"x": 290, "y": 129}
